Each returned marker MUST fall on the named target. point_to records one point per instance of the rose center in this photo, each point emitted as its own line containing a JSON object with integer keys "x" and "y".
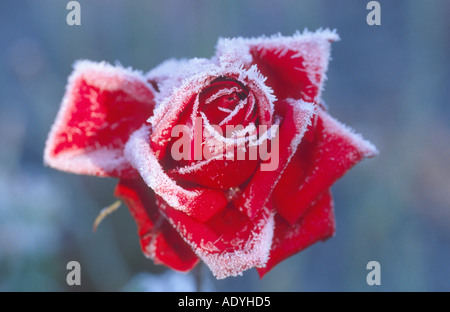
{"x": 226, "y": 102}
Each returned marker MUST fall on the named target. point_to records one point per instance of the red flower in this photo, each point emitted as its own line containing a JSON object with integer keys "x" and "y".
{"x": 228, "y": 159}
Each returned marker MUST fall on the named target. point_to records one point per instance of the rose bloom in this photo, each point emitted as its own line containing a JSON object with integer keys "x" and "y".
{"x": 229, "y": 160}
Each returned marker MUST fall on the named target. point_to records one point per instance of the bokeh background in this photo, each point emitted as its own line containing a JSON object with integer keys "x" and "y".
{"x": 389, "y": 82}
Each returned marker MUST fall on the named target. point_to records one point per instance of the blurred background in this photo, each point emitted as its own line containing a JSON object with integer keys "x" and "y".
{"x": 389, "y": 82}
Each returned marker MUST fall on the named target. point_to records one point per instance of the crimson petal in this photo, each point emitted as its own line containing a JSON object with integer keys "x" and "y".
{"x": 318, "y": 164}
{"x": 229, "y": 243}
{"x": 318, "y": 223}
{"x": 297, "y": 115}
{"x": 199, "y": 202}
{"x": 295, "y": 66}
{"x": 159, "y": 241}
{"x": 102, "y": 106}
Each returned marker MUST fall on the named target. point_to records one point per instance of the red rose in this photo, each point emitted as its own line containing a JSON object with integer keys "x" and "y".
{"x": 228, "y": 159}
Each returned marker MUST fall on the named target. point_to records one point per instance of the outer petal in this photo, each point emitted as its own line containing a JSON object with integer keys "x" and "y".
{"x": 200, "y": 203}
{"x": 318, "y": 164}
{"x": 159, "y": 241}
{"x": 295, "y": 66}
{"x": 318, "y": 223}
{"x": 102, "y": 106}
{"x": 229, "y": 243}
{"x": 296, "y": 115}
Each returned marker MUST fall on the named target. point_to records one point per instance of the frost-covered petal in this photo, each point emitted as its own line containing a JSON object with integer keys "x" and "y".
{"x": 317, "y": 164}
{"x": 102, "y": 106}
{"x": 296, "y": 116}
{"x": 159, "y": 241}
{"x": 182, "y": 101}
{"x": 230, "y": 242}
{"x": 224, "y": 102}
{"x": 216, "y": 173}
{"x": 295, "y": 66}
{"x": 164, "y": 73}
{"x": 318, "y": 223}
{"x": 198, "y": 202}
{"x": 228, "y": 160}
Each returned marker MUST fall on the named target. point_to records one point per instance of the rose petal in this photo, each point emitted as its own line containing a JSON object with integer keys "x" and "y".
{"x": 229, "y": 243}
{"x": 159, "y": 241}
{"x": 220, "y": 98}
{"x": 200, "y": 203}
{"x": 182, "y": 101}
{"x": 318, "y": 223}
{"x": 295, "y": 66}
{"x": 228, "y": 161}
{"x": 296, "y": 117}
{"x": 318, "y": 164}
{"x": 102, "y": 106}
{"x": 219, "y": 174}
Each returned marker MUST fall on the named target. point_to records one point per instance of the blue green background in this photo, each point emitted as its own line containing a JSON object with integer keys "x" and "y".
{"x": 389, "y": 82}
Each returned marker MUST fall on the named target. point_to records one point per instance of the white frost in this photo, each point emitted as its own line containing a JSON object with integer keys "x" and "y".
{"x": 220, "y": 93}
{"x": 332, "y": 126}
{"x": 96, "y": 162}
{"x": 253, "y": 253}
